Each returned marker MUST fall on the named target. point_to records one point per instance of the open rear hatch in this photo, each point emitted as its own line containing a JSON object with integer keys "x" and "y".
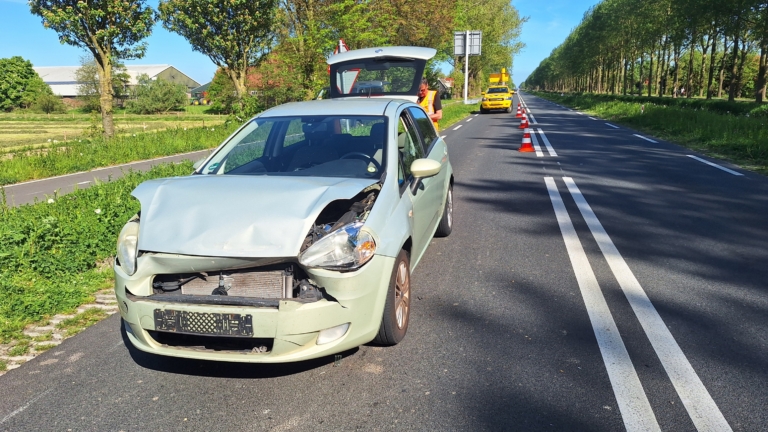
{"x": 379, "y": 72}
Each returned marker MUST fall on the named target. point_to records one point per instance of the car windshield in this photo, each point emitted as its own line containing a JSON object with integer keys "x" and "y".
{"x": 498, "y": 90}
{"x": 320, "y": 146}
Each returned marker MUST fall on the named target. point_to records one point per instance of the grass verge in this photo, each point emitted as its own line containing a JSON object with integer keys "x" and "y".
{"x": 81, "y": 321}
{"x": 741, "y": 139}
{"x": 454, "y": 112}
{"x": 83, "y": 154}
{"x": 49, "y": 251}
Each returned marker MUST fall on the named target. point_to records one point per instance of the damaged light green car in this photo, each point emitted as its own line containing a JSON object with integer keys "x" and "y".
{"x": 296, "y": 238}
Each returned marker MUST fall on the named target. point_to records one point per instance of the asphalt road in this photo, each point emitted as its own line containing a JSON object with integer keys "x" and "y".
{"x": 40, "y": 190}
{"x": 617, "y": 285}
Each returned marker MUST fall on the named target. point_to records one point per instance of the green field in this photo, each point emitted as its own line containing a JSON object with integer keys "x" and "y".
{"x": 22, "y": 129}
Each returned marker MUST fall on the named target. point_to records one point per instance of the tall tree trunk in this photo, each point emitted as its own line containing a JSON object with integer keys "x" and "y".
{"x": 700, "y": 78}
{"x": 761, "y": 74}
{"x": 640, "y": 89}
{"x": 600, "y": 77}
{"x": 663, "y": 61}
{"x": 104, "y": 62}
{"x": 712, "y": 58}
{"x": 691, "y": 58}
{"x": 723, "y": 61}
{"x": 650, "y": 74}
{"x": 735, "y": 64}
{"x": 677, "y": 71}
{"x": 624, "y": 76}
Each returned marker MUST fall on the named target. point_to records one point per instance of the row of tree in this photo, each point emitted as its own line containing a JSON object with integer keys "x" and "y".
{"x": 285, "y": 41}
{"x": 674, "y": 47}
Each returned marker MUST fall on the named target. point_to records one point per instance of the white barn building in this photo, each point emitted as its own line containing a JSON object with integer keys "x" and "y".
{"x": 62, "y": 79}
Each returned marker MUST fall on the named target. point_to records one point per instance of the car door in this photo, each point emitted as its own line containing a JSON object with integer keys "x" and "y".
{"x": 435, "y": 149}
{"x": 411, "y": 148}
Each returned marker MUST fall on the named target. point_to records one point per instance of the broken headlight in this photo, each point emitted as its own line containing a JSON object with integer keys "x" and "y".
{"x": 347, "y": 248}
{"x": 127, "y": 247}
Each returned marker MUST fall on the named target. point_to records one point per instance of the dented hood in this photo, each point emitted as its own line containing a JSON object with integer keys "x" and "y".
{"x": 235, "y": 216}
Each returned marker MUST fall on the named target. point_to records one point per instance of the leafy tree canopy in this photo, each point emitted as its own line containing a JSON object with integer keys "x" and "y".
{"x": 234, "y": 34}
{"x": 20, "y": 85}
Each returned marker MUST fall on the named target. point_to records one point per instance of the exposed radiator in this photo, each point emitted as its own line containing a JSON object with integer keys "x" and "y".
{"x": 238, "y": 283}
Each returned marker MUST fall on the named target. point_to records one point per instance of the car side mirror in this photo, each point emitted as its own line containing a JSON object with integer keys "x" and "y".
{"x": 423, "y": 168}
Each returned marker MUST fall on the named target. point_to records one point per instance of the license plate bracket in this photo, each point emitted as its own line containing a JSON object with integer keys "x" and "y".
{"x": 203, "y": 323}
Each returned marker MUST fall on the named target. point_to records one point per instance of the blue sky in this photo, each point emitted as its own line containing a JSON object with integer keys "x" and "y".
{"x": 22, "y": 34}
{"x": 549, "y": 23}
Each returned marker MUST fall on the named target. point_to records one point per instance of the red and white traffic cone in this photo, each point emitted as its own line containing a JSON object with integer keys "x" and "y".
{"x": 519, "y": 113}
{"x": 526, "y": 146}
{"x": 524, "y": 121}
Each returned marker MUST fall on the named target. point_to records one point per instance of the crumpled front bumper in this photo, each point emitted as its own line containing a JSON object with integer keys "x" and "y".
{"x": 292, "y": 326}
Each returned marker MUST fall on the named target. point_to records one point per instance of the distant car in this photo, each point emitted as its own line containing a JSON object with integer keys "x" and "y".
{"x": 496, "y": 98}
{"x": 296, "y": 238}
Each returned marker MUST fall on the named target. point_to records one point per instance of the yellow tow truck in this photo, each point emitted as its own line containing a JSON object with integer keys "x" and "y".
{"x": 498, "y": 96}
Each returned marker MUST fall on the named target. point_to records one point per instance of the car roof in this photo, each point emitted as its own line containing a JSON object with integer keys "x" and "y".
{"x": 392, "y": 51}
{"x": 343, "y": 106}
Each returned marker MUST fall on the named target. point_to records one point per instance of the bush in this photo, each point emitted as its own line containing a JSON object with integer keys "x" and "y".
{"x": 156, "y": 96}
{"x": 49, "y": 103}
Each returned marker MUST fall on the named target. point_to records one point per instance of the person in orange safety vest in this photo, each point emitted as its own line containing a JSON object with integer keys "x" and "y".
{"x": 429, "y": 100}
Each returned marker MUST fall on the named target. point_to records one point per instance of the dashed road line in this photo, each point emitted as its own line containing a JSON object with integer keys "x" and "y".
{"x": 444, "y": 136}
{"x": 647, "y": 139}
{"x": 592, "y": 118}
{"x": 550, "y": 149}
{"x": 613, "y": 126}
{"x": 633, "y": 403}
{"x": 536, "y": 147}
{"x": 704, "y": 413}
{"x": 716, "y": 165}
{"x": 457, "y": 127}
{"x": 469, "y": 119}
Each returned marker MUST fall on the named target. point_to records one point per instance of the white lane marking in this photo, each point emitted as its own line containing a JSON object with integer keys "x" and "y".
{"x": 18, "y": 410}
{"x": 475, "y": 115}
{"x": 716, "y": 165}
{"x": 613, "y": 126}
{"x": 443, "y": 137}
{"x": 592, "y": 118}
{"x": 469, "y": 119}
{"x": 546, "y": 143}
{"x": 84, "y": 182}
{"x": 580, "y": 113}
{"x": 532, "y": 118}
{"x": 457, "y": 127}
{"x": 647, "y": 139}
{"x": 536, "y": 147}
{"x": 697, "y": 401}
{"x": 633, "y": 403}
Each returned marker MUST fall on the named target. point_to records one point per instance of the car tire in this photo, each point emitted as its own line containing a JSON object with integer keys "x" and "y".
{"x": 509, "y": 109}
{"x": 483, "y": 111}
{"x": 445, "y": 226}
{"x": 397, "y": 309}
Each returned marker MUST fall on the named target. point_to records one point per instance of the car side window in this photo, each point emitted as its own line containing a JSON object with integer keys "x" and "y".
{"x": 425, "y": 126}
{"x": 250, "y": 148}
{"x": 408, "y": 143}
